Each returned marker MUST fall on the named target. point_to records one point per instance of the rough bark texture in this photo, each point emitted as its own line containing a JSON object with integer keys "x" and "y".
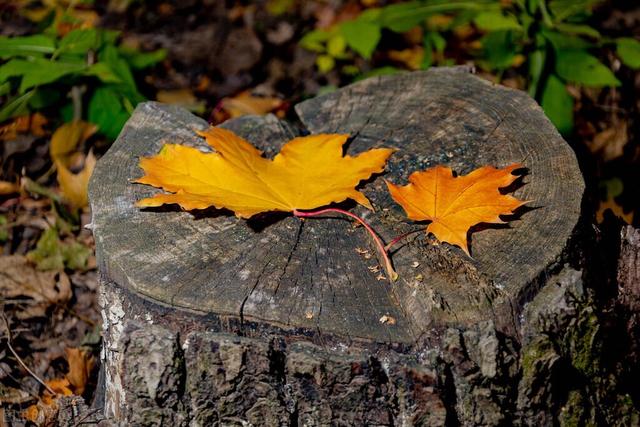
{"x": 213, "y": 320}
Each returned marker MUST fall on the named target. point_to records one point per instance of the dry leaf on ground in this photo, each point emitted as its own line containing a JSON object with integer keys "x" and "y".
{"x": 74, "y": 186}
{"x": 24, "y": 124}
{"x": 185, "y": 98}
{"x": 610, "y": 142}
{"x": 42, "y": 289}
{"x": 455, "y": 204}
{"x": 7, "y": 187}
{"x": 81, "y": 364}
{"x": 246, "y": 103}
{"x": 411, "y": 58}
{"x": 615, "y": 208}
{"x": 45, "y": 411}
{"x": 309, "y": 172}
{"x": 67, "y": 137}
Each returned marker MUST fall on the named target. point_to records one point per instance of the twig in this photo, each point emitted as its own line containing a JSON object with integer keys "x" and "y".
{"x": 389, "y": 267}
{"x": 400, "y": 237}
{"x": 26, "y": 368}
{"x": 88, "y": 414}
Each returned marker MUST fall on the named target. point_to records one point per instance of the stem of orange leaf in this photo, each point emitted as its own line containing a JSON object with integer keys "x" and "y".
{"x": 400, "y": 237}
{"x": 379, "y": 244}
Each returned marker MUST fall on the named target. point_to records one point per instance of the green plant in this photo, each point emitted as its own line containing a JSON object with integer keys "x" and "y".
{"x": 558, "y": 48}
{"x": 84, "y": 68}
{"x": 363, "y": 34}
{"x": 548, "y": 41}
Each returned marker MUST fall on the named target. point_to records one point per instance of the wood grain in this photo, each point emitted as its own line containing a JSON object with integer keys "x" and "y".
{"x": 312, "y": 278}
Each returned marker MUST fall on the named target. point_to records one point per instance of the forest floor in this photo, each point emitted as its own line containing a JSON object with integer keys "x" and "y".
{"x": 223, "y": 61}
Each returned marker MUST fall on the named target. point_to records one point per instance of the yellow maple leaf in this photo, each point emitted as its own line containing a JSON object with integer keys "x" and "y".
{"x": 455, "y": 204}
{"x": 74, "y": 186}
{"x": 309, "y": 172}
{"x": 67, "y": 137}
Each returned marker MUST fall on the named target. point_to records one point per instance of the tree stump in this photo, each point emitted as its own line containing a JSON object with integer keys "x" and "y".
{"x": 278, "y": 321}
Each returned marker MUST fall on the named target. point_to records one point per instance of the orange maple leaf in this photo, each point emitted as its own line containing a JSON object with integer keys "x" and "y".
{"x": 455, "y": 204}
{"x": 309, "y": 172}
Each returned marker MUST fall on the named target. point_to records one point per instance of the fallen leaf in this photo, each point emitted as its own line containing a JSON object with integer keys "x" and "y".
{"x": 411, "y": 58}
{"x": 7, "y": 187}
{"x": 610, "y": 142}
{"x": 74, "y": 186}
{"x": 246, "y": 103}
{"x": 31, "y": 413}
{"x": 615, "y": 208}
{"x": 182, "y": 97}
{"x": 45, "y": 411}
{"x": 19, "y": 279}
{"x": 309, "y": 172}
{"x": 455, "y": 204}
{"x": 61, "y": 386}
{"x": 67, "y": 137}
{"x": 81, "y": 363}
{"x": 24, "y": 124}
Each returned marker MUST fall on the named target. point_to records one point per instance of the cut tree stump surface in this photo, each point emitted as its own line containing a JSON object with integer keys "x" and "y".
{"x": 320, "y": 278}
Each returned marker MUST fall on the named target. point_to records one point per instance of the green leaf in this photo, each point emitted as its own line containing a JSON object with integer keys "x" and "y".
{"x": 561, "y": 41}
{"x": 43, "y": 72}
{"x": 325, "y": 63}
{"x": 557, "y": 104}
{"x": 579, "y": 30}
{"x": 496, "y": 21}
{"x": 45, "y": 97}
{"x": 613, "y": 187}
{"x": 5, "y": 88}
{"x": 438, "y": 42}
{"x": 47, "y": 254}
{"x": 75, "y": 255}
{"x": 4, "y": 231}
{"x": 79, "y": 42}
{"x": 107, "y": 110}
{"x": 38, "y": 71}
{"x": 140, "y": 60}
{"x": 52, "y": 254}
{"x": 326, "y": 89}
{"x": 17, "y": 106}
{"x": 362, "y": 36}
{"x": 427, "y": 58}
{"x": 536, "y": 66}
{"x": 382, "y": 71}
{"x": 336, "y": 46}
{"x": 36, "y": 45}
{"x": 103, "y": 71}
{"x": 315, "y": 40}
{"x": 499, "y": 49}
{"x": 110, "y": 55}
{"x": 563, "y": 9}
{"x": 628, "y": 50}
{"x": 402, "y": 17}
{"x": 578, "y": 66}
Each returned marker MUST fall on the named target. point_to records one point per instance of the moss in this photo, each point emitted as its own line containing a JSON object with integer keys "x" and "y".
{"x": 572, "y": 414}
{"x": 626, "y": 414}
{"x": 539, "y": 349}
{"x": 583, "y": 345}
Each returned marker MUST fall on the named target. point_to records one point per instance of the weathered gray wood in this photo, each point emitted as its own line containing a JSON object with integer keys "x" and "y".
{"x": 310, "y": 280}
{"x": 296, "y": 274}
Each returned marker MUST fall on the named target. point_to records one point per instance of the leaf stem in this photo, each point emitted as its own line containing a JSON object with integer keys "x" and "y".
{"x": 379, "y": 243}
{"x": 400, "y": 237}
